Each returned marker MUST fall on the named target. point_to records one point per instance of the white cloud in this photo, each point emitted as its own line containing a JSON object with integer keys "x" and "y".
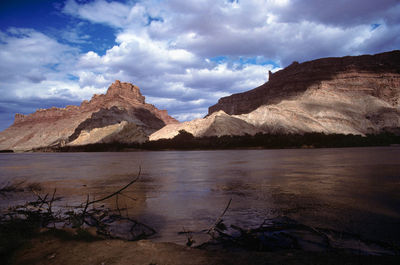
{"x": 171, "y": 57}
{"x": 100, "y": 11}
{"x": 188, "y": 116}
{"x": 34, "y": 65}
{"x": 30, "y": 57}
{"x": 90, "y": 79}
{"x": 169, "y": 48}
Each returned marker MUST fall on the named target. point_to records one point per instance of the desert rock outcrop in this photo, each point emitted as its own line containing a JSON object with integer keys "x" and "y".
{"x": 348, "y": 95}
{"x": 119, "y": 114}
{"x": 217, "y": 124}
{"x": 376, "y": 75}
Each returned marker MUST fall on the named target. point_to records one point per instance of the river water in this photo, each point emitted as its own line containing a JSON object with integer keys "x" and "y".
{"x": 350, "y": 189}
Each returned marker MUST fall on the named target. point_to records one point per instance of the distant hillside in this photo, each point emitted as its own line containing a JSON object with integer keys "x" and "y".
{"x": 348, "y": 95}
{"x": 356, "y": 95}
{"x": 376, "y": 75}
{"x": 120, "y": 115}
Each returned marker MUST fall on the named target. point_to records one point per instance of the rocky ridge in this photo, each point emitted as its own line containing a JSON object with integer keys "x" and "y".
{"x": 376, "y": 75}
{"x": 122, "y": 111}
{"x": 348, "y": 95}
{"x": 217, "y": 124}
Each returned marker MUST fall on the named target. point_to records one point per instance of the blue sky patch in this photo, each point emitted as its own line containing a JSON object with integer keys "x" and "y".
{"x": 374, "y": 26}
{"x": 244, "y": 60}
{"x": 46, "y": 16}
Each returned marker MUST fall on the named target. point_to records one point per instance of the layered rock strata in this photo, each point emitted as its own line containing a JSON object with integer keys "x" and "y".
{"x": 376, "y": 75}
{"x": 217, "y": 124}
{"x": 119, "y": 115}
{"x": 348, "y": 95}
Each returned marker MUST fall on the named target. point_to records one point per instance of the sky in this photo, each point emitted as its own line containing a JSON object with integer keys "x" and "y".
{"x": 184, "y": 55}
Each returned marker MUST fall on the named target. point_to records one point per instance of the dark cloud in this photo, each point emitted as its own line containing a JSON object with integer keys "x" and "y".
{"x": 343, "y": 13}
{"x": 383, "y": 39}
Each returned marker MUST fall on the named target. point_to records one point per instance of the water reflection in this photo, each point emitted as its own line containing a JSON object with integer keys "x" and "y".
{"x": 354, "y": 189}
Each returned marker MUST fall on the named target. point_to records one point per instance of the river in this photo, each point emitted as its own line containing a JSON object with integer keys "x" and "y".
{"x": 349, "y": 189}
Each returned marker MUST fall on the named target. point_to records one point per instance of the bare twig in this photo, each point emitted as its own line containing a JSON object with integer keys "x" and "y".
{"x": 43, "y": 200}
{"x": 100, "y": 217}
{"x": 118, "y": 191}
{"x": 116, "y": 203}
{"x": 84, "y": 210}
{"x": 50, "y": 204}
{"x": 220, "y": 217}
{"x": 190, "y": 241}
{"x": 11, "y": 187}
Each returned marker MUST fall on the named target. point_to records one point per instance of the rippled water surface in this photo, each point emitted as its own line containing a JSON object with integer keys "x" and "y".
{"x": 352, "y": 189}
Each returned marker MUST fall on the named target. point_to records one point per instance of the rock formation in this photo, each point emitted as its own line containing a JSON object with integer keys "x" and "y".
{"x": 119, "y": 115}
{"x": 376, "y": 75}
{"x": 348, "y": 95}
{"x": 217, "y": 124}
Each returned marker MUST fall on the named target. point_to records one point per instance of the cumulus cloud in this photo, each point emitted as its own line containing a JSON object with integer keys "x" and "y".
{"x": 112, "y": 13}
{"x": 35, "y": 72}
{"x": 170, "y": 77}
{"x": 185, "y": 55}
{"x": 280, "y": 30}
{"x": 36, "y": 65}
{"x": 29, "y": 55}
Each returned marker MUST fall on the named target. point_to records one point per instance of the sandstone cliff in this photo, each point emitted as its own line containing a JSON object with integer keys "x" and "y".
{"x": 376, "y": 75}
{"x": 119, "y": 114}
{"x": 348, "y": 95}
{"x": 217, "y": 124}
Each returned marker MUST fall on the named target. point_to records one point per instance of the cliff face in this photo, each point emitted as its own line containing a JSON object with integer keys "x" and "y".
{"x": 376, "y": 75}
{"x": 217, "y": 124}
{"x": 93, "y": 121}
{"x": 356, "y": 95}
{"x": 349, "y": 95}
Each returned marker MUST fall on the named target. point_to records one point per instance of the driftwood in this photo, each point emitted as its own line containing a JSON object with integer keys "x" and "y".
{"x": 106, "y": 221}
{"x": 118, "y": 191}
{"x": 218, "y": 224}
{"x": 11, "y": 187}
{"x": 285, "y": 233}
{"x": 8, "y": 188}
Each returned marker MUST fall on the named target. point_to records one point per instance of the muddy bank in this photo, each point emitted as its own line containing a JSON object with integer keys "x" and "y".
{"x": 52, "y": 250}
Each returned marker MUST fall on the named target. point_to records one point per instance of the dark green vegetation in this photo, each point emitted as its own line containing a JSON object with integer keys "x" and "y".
{"x": 186, "y": 141}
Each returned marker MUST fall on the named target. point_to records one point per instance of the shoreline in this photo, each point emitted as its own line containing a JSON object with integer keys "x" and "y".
{"x": 187, "y": 142}
{"x": 47, "y": 249}
{"x": 132, "y": 150}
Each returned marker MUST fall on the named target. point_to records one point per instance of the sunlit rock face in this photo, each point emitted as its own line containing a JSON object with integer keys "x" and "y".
{"x": 376, "y": 75}
{"x": 217, "y": 124}
{"x": 348, "y": 95}
{"x": 327, "y": 111}
{"x": 122, "y": 111}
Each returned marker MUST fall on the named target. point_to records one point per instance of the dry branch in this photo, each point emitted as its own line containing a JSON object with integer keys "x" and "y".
{"x": 118, "y": 191}
{"x": 103, "y": 219}
{"x": 219, "y": 219}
